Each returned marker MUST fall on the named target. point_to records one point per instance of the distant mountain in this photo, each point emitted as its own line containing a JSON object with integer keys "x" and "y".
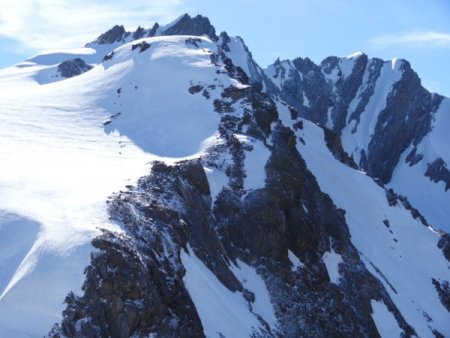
{"x": 391, "y": 126}
{"x": 205, "y": 196}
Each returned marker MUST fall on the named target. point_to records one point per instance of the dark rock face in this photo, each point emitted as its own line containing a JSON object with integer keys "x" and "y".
{"x": 187, "y": 25}
{"x": 115, "y": 34}
{"x": 143, "y": 46}
{"x": 108, "y": 56}
{"x": 346, "y": 90}
{"x": 139, "y": 33}
{"x": 333, "y": 142}
{"x": 73, "y": 68}
{"x": 394, "y": 198}
{"x": 443, "y": 289}
{"x": 374, "y": 70}
{"x": 134, "y": 283}
{"x": 315, "y": 88}
{"x": 404, "y": 121}
{"x": 152, "y": 31}
{"x": 437, "y": 171}
{"x": 444, "y": 245}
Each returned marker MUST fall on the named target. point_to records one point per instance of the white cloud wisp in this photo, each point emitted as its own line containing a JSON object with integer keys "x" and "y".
{"x": 55, "y": 24}
{"x": 419, "y": 39}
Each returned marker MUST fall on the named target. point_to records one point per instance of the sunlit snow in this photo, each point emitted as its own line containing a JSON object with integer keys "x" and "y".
{"x": 61, "y": 159}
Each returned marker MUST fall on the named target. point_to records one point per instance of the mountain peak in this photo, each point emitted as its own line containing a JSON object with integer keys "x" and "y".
{"x": 183, "y": 25}
{"x": 187, "y": 25}
{"x": 355, "y": 55}
{"x": 115, "y": 34}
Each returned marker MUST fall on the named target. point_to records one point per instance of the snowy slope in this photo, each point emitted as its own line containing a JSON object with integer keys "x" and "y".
{"x": 382, "y": 115}
{"x": 65, "y": 148}
{"x": 431, "y": 198}
{"x": 405, "y": 256}
{"x": 221, "y": 311}
{"x": 356, "y": 135}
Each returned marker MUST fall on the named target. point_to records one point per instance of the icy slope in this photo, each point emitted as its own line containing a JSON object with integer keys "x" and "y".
{"x": 67, "y": 145}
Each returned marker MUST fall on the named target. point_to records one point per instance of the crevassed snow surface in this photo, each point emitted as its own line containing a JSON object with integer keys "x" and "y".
{"x": 411, "y": 247}
{"x": 222, "y": 312}
{"x": 385, "y": 321}
{"x": 60, "y": 162}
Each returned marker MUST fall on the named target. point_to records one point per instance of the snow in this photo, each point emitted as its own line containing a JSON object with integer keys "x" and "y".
{"x": 439, "y": 137}
{"x": 346, "y": 65}
{"x": 217, "y": 180}
{"x": 329, "y": 123}
{"x": 295, "y": 261}
{"x": 284, "y": 114}
{"x": 332, "y": 77}
{"x": 355, "y": 55}
{"x": 60, "y": 163}
{"x": 254, "y": 163}
{"x": 271, "y": 72}
{"x": 354, "y": 103}
{"x": 306, "y": 100}
{"x": 428, "y": 197}
{"x": 31, "y": 308}
{"x": 385, "y": 321}
{"x": 163, "y": 28}
{"x": 221, "y": 311}
{"x": 57, "y": 169}
{"x": 408, "y": 257}
{"x": 284, "y": 69}
{"x": 17, "y": 236}
{"x": 332, "y": 261}
{"x": 394, "y": 63}
{"x": 238, "y": 54}
{"x": 254, "y": 283}
{"x": 54, "y": 57}
{"x": 179, "y": 126}
{"x": 353, "y": 143}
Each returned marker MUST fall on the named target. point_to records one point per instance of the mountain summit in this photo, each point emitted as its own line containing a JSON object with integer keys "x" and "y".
{"x": 160, "y": 183}
{"x": 184, "y": 25}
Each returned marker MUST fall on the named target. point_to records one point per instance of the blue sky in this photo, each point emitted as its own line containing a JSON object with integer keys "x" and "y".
{"x": 416, "y": 30}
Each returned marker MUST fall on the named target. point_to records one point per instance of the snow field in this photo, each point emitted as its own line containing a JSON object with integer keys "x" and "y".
{"x": 61, "y": 161}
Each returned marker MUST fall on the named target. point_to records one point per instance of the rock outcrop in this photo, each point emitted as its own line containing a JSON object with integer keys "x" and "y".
{"x": 115, "y": 34}
{"x": 73, "y": 68}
